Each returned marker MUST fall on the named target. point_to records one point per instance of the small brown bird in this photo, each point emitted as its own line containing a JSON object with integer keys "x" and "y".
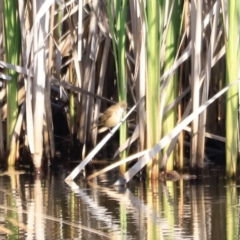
{"x": 112, "y": 116}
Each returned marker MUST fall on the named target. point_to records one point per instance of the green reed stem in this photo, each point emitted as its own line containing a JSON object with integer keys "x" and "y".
{"x": 152, "y": 83}
{"x": 169, "y": 120}
{"x": 119, "y": 50}
{"x": 232, "y": 60}
{"x": 12, "y": 43}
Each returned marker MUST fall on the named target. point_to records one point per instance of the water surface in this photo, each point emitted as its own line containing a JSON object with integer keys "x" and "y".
{"x": 48, "y": 208}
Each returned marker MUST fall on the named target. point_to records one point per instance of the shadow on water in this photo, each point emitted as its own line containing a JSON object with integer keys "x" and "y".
{"x": 48, "y": 208}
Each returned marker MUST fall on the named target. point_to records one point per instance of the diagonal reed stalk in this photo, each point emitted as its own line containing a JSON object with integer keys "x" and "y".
{"x": 148, "y": 156}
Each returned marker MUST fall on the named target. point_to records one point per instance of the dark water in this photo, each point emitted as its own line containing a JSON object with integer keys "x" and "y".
{"x": 48, "y": 208}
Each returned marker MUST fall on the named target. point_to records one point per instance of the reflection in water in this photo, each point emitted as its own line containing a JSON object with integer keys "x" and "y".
{"x": 38, "y": 210}
{"x": 48, "y": 208}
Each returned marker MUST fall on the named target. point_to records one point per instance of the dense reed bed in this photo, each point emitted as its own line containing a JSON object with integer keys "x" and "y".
{"x": 168, "y": 59}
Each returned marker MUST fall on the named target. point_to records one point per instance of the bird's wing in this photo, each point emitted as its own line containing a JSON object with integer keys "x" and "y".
{"x": 111, "y": 108}
{"x": 107, "y": 114}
